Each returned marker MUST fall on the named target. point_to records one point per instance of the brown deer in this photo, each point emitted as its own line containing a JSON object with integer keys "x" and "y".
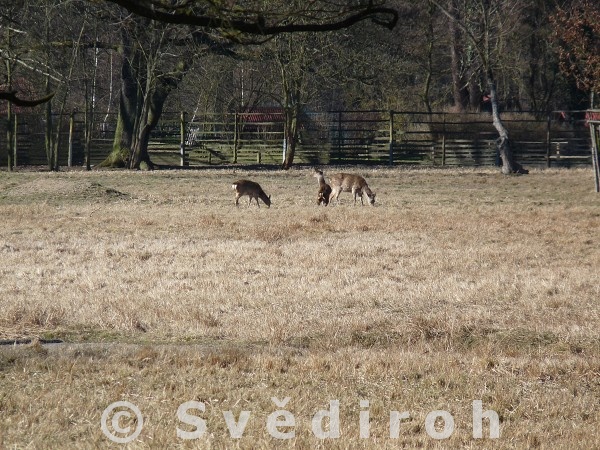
{"x": 324, "y": 188}
{"x": 346, "y": 182}
{"x": 252, "y": 190}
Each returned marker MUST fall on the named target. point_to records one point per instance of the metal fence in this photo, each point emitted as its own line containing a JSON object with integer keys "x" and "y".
{"x": 562, "y": 139}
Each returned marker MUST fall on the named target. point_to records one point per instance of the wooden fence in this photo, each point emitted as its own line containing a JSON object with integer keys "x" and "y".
{"x": 562, "y": 139}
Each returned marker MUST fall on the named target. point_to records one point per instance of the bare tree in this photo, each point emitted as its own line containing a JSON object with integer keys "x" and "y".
{"x": 146, "y": 84}
{"x": 485, "y": 24}
{"x": 155, "y": 59}
{"x": 295, "y": 56}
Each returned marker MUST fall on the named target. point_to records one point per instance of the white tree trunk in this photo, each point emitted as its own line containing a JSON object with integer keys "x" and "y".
{"x": 509, "y": 165}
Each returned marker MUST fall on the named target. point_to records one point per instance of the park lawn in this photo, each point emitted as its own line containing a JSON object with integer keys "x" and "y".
{"x": 459, "y": 285}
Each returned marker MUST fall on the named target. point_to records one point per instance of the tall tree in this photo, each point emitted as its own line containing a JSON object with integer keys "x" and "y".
{"x": 466, "y": 73}
{"x": 17, "y": 64}
{"x": 151, "y": 68}
{"x": 48, "y": 41}
{"x": 146, "y": 85}
{"x": 293, "y": 62}
{"x": 486, "y": 23}
{"x": 577, "y": 33}
{"x": 298, "y": 59}
{"x": 155, "y": 58}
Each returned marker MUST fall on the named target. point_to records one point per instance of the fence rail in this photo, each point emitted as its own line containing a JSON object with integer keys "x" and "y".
{"x": 345, "y": 137}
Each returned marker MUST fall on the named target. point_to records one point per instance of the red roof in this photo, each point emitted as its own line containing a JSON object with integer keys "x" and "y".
{"x": 266, "y": 114}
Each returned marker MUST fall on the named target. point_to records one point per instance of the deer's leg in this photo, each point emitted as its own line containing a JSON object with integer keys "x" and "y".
{"x": 334, "y": 195}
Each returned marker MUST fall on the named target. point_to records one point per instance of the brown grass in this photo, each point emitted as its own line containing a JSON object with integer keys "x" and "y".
{"x": 459, "y": 285}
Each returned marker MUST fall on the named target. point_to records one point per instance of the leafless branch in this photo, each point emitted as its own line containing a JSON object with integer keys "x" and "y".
{"x": 184, "y": 14}
{"x": 11, "y": 96}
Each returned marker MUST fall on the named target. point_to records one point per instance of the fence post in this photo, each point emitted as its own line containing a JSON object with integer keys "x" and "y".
{"x": 9, "y": 130}
{"x": 595, "y": 135}
{"x": 339, "y": 136}
{"x": 443, "y": 139}
{"x": 548, "y": 141}
{"x": 183, "y": 158}
{"x": 88, "y": 141}
{"x": 391, "y": 157}
{"x": 235, "y": 137}
{"x": 70, "y": 150}
{"x": 14, "y": 143}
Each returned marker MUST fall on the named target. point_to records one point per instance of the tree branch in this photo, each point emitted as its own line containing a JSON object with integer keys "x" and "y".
{"x": 465, "y": 30}
{"x": 11, "y": 96}
{"x": 161, "y": 12}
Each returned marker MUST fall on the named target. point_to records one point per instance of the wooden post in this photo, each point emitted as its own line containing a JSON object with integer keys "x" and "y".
{"x": 182, "y": 155}
{"x": 548, "y": 141}
{"x": 235, "y": 137}
{"x": 48, "y": 131}
{"x": 89, "y": 126}
{"x": 86, "y": 129}
{"x": 444, "y": 139}
{"x": 9, "y": 114}
{"x": 15, "y": 159}
{"x": 339, "y": 136}
{"x": 391, "y": 156}
{"x": 89, "y": 121}
{"x": 595, "y": 135}
{"x": 9, "y": 137}
{"x": 70, "y": 153}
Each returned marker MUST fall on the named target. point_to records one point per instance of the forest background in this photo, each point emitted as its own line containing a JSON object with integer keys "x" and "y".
{"x": 99, "y": 58}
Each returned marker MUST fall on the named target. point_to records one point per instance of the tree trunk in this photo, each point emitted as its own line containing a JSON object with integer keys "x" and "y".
{"x": 291, "y": 135}
{"x": 128, "y": 105}
{"x": 139, "y": 150}
{"x": 460, "y": 94}
{"x": 509, "y": 165}
{"x": 474, "y": 93}
{"x": 49, "y": 137}
{"x": 9, "y": 114}
{"x": 119, "y": 155}
{"x": 429, "y": 73}
{"x": 148, "y": 120}
{"x": 141, "y": 104}
{"x": 292, "y": 111}
{"x": 151, "y": 112}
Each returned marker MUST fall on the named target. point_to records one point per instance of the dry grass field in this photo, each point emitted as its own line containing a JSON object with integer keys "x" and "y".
{"x": 459, "y": 285}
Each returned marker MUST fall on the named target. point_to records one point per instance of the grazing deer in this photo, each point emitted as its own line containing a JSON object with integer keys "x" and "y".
{"x": 324, "y": 188}
{"x": 252, "y": 190}
{"x": 346, "y": 182}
